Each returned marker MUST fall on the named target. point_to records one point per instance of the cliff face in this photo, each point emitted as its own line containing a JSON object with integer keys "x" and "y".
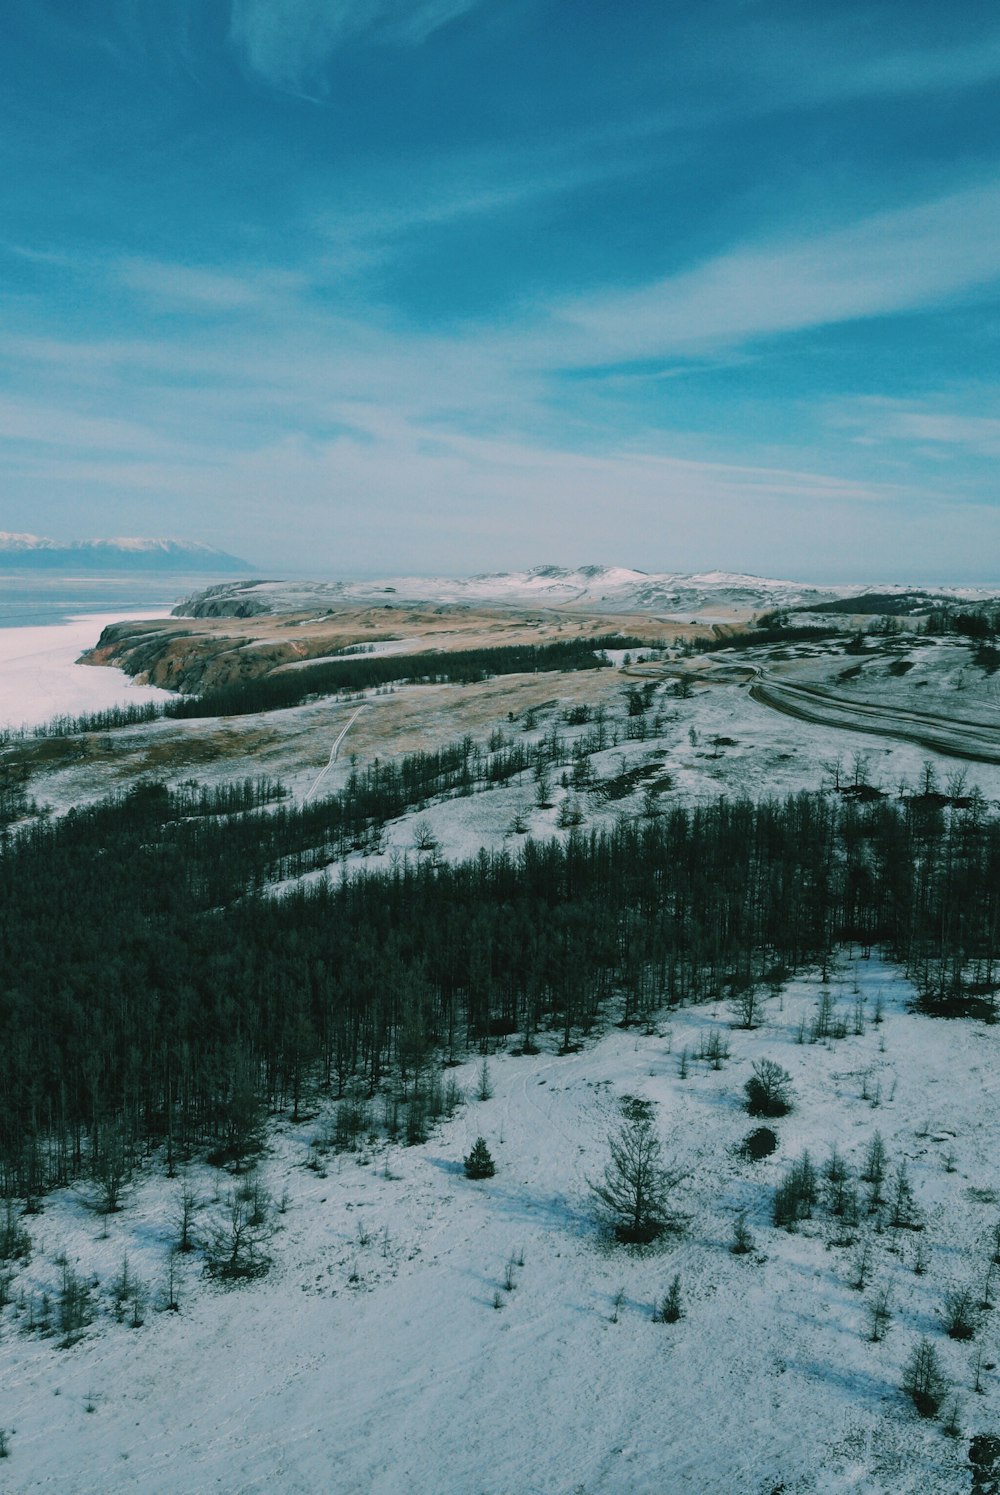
{"x": 222, "y": 607}
{"x": 227, "y": 599}
{"x": 190, "y": 660}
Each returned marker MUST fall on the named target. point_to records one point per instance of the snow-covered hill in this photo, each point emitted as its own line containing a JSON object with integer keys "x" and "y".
{"x": 707, "y": 596}
{"x": 421, "y": 1333}
{"x": 123, "y": 553}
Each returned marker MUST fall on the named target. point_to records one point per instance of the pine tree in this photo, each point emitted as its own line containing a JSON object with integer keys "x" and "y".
{"x": 479, "y": 1163}
{"x": 635, "y": 1191}
{"x": 904, "y": 1214}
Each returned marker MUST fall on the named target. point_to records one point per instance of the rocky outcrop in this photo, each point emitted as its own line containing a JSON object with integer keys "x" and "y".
{"x": 229, "y": 599}
{"x": 188, "y": 660}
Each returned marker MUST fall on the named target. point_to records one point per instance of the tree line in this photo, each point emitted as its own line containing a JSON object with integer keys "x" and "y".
{"x": 278, "y": 691}
{"x": 156, "y": 988}
{"x": 358, "y": 670}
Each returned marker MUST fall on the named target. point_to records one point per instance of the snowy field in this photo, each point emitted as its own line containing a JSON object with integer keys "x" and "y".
{"x": 715, "y": 741}
{"x": 40, "y": 678}
{"x": 419, "y": 1333}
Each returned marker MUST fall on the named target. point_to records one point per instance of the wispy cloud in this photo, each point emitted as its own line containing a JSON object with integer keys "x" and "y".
{"x": 892, "y": 262}
{"x": 927, "y": 424}
{"x": 817, "y": 60}
{"x": 910, "y": 72}
{"x": 202, "y": 289}
{"x": 287, "y": 43}
{"x": 59, "y": 427}
{"x": 977, "y": 433}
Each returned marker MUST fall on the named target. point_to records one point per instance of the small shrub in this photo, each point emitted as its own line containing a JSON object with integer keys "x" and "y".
{"x": 353, "y": 1121}
{"x": 453, "y": 1096}
{"x": 840, "y": 1196}
{"x": 121, "y": 1290}
{"x": 714, "y": 1048}
{"x": 669, "y": 1309}
{"x": 759, "y": 1144}
{"x": 257, "y": 1199}
{"x": 743, "y": 1241}
{"x": 984, "y": 1456}
{"x": 186, "y": 1205}
{"x": 479, "y": 1163}
{"x": 748, "y": 1004}
{"x": 417, "y": 1119}
{"x": 140, "y": 1298}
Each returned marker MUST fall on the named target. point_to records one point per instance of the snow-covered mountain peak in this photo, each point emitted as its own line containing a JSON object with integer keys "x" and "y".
{"x": 124, "y": 552}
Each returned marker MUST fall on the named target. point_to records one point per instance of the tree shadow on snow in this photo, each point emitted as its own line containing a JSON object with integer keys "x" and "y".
{"x": 517, "y": 1203}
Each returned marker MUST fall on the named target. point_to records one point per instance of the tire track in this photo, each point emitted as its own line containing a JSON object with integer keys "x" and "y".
{"x": 956, "y": 738}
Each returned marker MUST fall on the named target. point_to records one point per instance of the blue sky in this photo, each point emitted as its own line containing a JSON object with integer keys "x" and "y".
{"x": 359, "y": 286}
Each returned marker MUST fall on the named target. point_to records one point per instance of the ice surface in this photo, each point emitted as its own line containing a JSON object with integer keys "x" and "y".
{"x": 40, "y": 678}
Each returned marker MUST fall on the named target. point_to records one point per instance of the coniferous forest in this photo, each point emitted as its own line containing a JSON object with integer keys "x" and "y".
{"x": 158, "y": 990}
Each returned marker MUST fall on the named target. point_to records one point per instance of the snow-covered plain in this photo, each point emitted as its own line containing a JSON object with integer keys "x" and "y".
{"x": 40, "y": 677}
{"x": 373, "y": 1357}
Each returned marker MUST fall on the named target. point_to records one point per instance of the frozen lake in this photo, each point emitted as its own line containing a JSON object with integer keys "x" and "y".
{"x": 40, "y": 678}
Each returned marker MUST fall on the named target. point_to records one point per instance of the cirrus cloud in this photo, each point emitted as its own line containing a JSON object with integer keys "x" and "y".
{"x": 287, "y": 43}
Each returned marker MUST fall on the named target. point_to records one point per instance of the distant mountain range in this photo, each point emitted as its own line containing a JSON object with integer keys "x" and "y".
{"x": 81, "y": 557}
{"x": 708, "y": 596}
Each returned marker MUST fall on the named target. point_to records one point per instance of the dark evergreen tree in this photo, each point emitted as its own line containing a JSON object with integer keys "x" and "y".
{"x": 479, "y": 1163}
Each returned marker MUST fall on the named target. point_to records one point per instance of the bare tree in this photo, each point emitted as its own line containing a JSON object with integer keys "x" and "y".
{"x": 959, "y": 1313}
{"x": 186, "y": 1206}
{"x": 111, "y": 1167}
{"x": 235, "y": 1248}
{"x": 769, "y": 1089}
{"x": 748, "y": 1006}
{"x": 923, "y": 1379}
{"x": 880, "y": 1313}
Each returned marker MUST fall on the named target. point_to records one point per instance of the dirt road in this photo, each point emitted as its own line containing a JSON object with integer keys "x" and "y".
{"x": 958, "y": 738}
